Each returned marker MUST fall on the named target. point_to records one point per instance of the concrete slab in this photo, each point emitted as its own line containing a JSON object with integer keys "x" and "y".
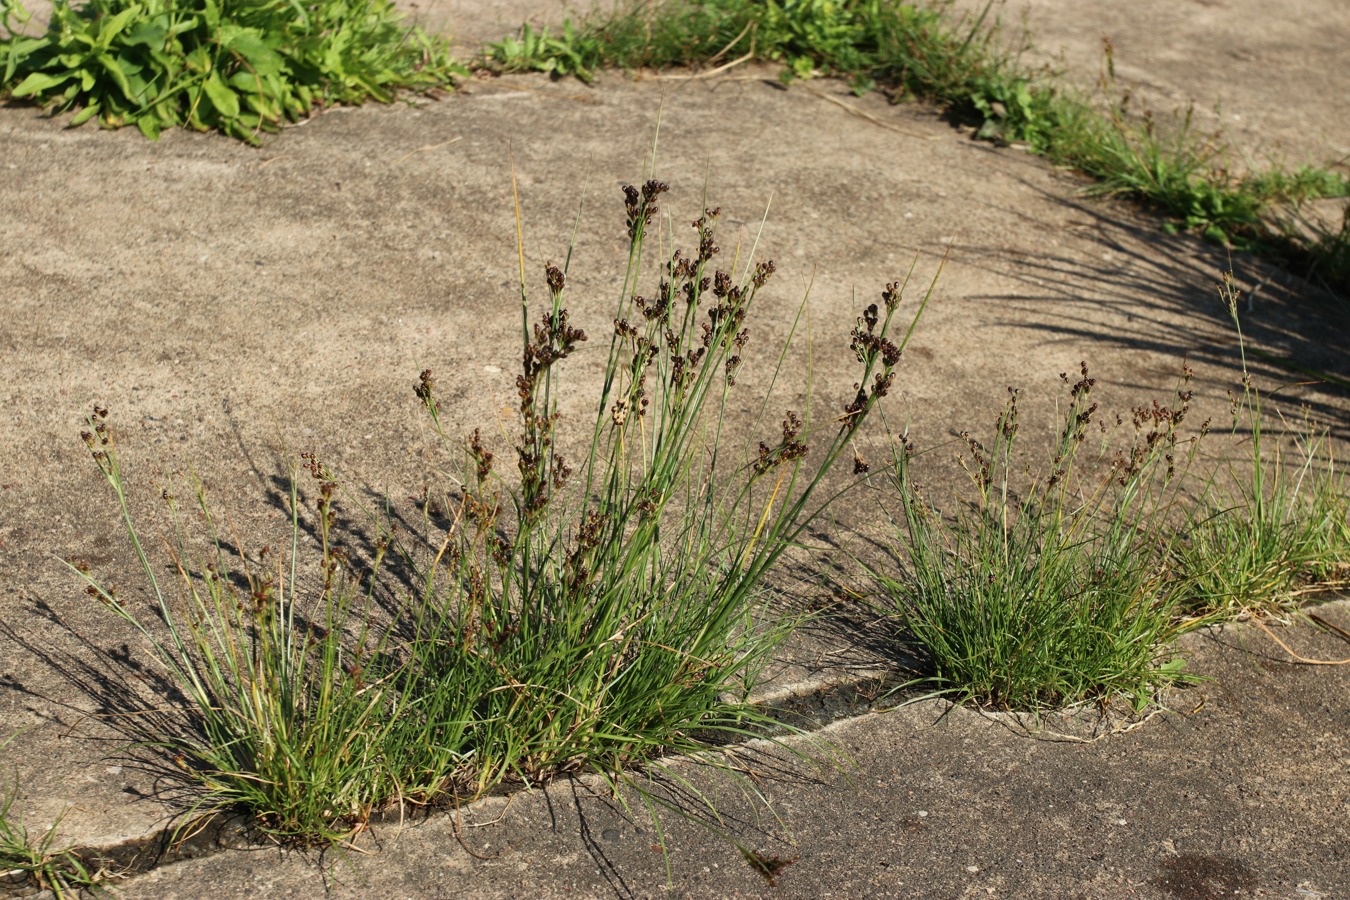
{"x": 234, "y": 307}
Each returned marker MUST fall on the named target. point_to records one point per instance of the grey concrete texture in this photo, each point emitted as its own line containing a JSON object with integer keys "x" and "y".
{"x": 234, "y": 307}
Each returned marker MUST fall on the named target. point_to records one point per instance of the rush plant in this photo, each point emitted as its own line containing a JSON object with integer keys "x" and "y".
{"x": 1271, "y": 523}
{"x": 586, "y": 611}
{"x": 1048, "y": 590}
{"x": 42, "y": 861}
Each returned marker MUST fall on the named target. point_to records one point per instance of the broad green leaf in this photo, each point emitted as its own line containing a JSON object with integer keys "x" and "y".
{"x": 39, "y": 83}
{"x": 139, "y": 86}
{"x": 181, "y": 26}
{"x": 112, "y": 68}
{"x": 199, "y": 60}
{"x": 222, "y": 98}
{"x": 73, "y": 60}
{"x": 149, "y": 126}
{"x": 112, "y": 26}
{"x": 147, "y": 34}
{"x": 85, "y": 114}
{"x": 251, "y": 47}
{"x": 244, "y": 82}
{"x": 19, "y": 51}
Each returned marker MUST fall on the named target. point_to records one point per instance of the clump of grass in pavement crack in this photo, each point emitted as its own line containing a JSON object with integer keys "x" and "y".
{"x": 41, "y": 862}
{"x": 578, "y": 612}
{"x": 1268, "y": 525}
{"x": 1046, "y": 591}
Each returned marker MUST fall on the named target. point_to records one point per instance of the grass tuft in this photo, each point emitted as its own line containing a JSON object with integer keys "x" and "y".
{"x": 41, "y": 862}
{"x": 585, "y": 613}
{"x": 1266, "y": 528}
{"x": 1069, "y": 586}
{"x": 1049, "y": 593}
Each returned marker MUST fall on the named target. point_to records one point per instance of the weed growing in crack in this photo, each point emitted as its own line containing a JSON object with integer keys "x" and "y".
{"x": 42, "y": 862}
{"x": 583, "y": 612}
{"x": 278, "y": 718}
{"x": 1049, "y": 593}
{"x": 1071, "y": 587}
{"x": 621, "y": 620}
{"x": 1266, "y": 529}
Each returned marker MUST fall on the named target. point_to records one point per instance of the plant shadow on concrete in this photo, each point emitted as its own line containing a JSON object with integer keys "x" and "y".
{"x": 1269, "y": 526}
{"x": 583, "y": 614}
{"x": 1292, "y": 330}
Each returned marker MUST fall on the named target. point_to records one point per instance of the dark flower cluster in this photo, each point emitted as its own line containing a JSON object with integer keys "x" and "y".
{"x": 683, "y": 366}
{"x": 704, "y": 224}
{"x": 478, "y": 505}
{"x": 1156, "y": 425}
{"x": 867, "y": 345}
{"x": 891, "y": 296}
{"x": 554, "y": 339}
{"x": 657, "y": 310}
{"x": 870, "y": 347}
{"x": 790, "y": 448}
{"x": 425, "y": 389}
{"x": 99, "y": 437}
{"x": 1007, "y": 420}
{"x": 1076, "y": 428}
{"x": 327, "y": 488}
{"x": 763, "y": 272}
{"x": 641, "y": 206}
{"x": 643, "y": 352}
{"x": 578, "y": 568}
{"x": 721, "y": 329}
{"x": 482, "y": 457}
{"x": 981, "y": 467}
{"x": 862, "y": 400}
{"x": 556, "y": 282}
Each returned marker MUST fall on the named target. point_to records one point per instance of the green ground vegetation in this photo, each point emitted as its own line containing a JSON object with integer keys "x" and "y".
{"x": 593, "y": 611}
{"x": 243, "y": 67}
{"x": 1271, "y": 522}
{"x": 41, "y": 860}
{"x": 1065, "y": 581}
{"x": 1044, "y": 587}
